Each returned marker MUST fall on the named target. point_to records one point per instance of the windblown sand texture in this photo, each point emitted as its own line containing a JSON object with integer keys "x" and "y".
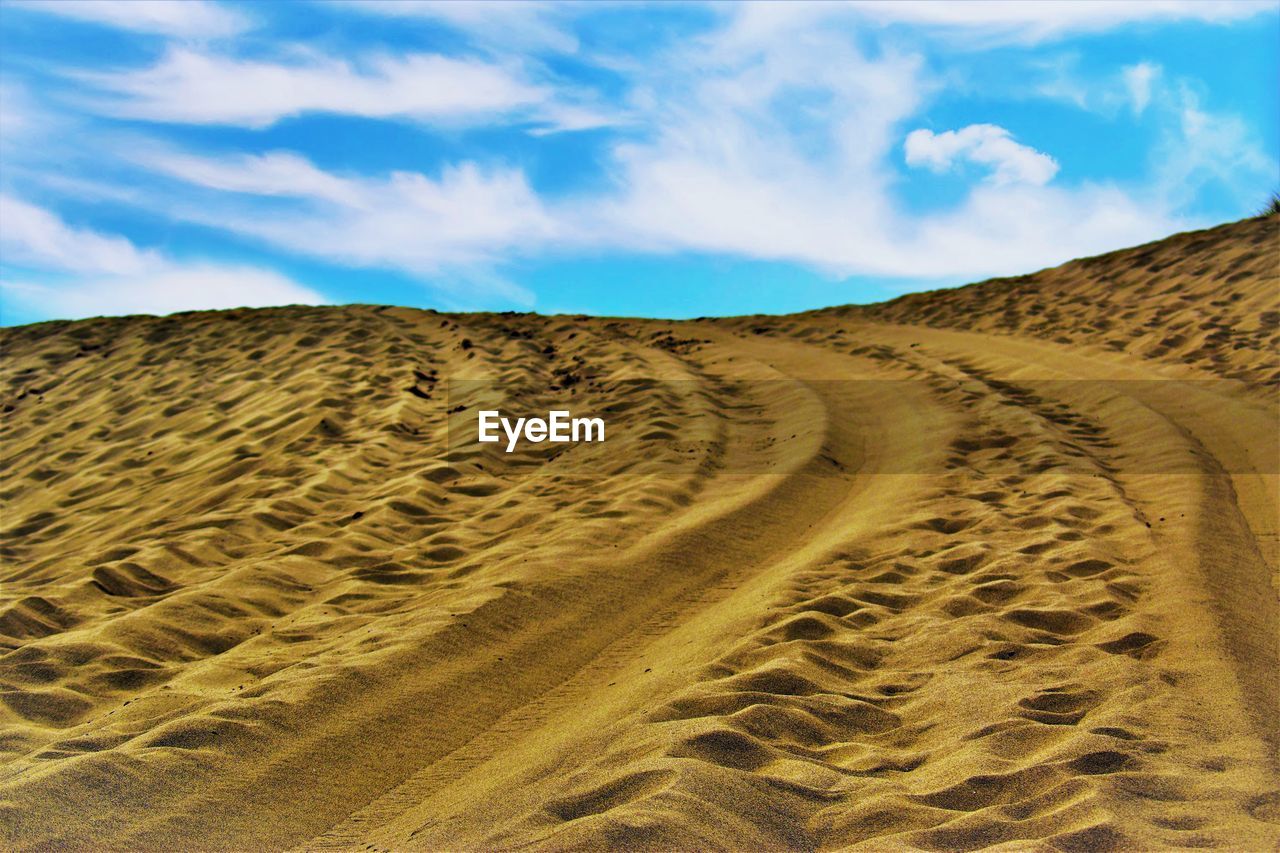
{"x": 991, "y": 567}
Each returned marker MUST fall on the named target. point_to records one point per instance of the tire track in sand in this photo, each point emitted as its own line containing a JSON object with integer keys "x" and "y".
{"x": 869, "y": 432}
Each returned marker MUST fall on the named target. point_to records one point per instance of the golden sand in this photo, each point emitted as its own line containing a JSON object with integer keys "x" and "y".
{"x": 991, "y": 567}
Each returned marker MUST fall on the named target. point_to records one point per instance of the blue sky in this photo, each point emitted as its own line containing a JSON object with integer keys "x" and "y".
{"x": 670, "y": 160}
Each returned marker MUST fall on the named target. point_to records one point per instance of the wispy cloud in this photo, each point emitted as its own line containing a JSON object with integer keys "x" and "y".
{"x": 1137, "y": 80}
{"x": 195, "y": 87}
{"x": 770, "y": 137}
{"x": 14, "y": 116}
{"x": 277, "y": 173}
{"x": 762, "y": 144}
{"x": 457, "y": 225}
{"x": 190, "y": 19}
{"x": 803, "y": 133}
{"x": 1031, "y": 22}
{"x": 1201, "y": 148}
{"x": 185, "y": 287}
{"x": 34, "y": 236}
{"x": 782, "y": 149}
{"x": 494, "y": 24}
{"x": 55, "y": 270}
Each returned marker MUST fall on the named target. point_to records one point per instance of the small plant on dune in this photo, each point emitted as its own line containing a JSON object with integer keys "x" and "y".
{"x": 1272, "y": 207}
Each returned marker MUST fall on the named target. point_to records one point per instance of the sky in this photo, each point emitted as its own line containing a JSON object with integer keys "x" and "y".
{"x": 661, "y": 160}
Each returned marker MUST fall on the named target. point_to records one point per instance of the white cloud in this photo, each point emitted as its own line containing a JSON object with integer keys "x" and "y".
{"x": 985, "y": 144}
{"x": 199, "y": 88}
{"x": 1137, "y": 81}
{"x": 82, "y": 273}
{"x": 173, "y": 288}
{"x": 780, "y": 149}
{"x": 195, "y": 19}
{"x": 31, "y": 235}
{"x": 771, "y": 137}
{"x": 276, "y": 173}
{"x": 764, "y": 143}
{"x": 1007, "y": 230}
{"x": 15, "y": 113}
{"x": 1203, "y": 149}
{"x": 468, "y": 218}
{"x": 1107, "y": 94}
{"x": 1028, "y": 22}
{"x": 502, "y": 24}
{"x": 998, "y": 229}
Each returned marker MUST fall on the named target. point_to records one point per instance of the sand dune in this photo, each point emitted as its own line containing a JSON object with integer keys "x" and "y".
{"x": 991, "y": 567}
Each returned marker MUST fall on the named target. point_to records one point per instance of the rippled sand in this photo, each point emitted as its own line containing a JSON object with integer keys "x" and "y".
{"x": 991, "y": 566}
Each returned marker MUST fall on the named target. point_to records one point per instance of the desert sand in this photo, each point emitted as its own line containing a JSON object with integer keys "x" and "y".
{"x": 987, "y": 567}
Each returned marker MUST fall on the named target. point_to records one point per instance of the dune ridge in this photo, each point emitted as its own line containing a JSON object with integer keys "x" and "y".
{"x": 1191, "y": 300}
{"x": 987, "y": 567}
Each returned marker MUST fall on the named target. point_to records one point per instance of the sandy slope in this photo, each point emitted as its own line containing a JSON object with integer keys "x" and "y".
{"x": 982, "y": 567}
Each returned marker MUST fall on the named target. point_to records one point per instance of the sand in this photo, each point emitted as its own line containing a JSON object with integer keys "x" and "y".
{"x": 990, "y": 567}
